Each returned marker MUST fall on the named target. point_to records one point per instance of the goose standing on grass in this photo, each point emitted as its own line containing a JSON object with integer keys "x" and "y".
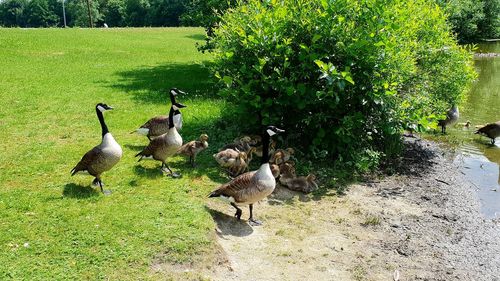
{"x": 166, "y": 145}
{"x": 102, "y": 157}
{"x": 192, "y": 148}
{"x": 492, "y": 131}
{"x": 159, "y": 125}
{"x": 251, "y": 187}
{"x": 451, "y": 118}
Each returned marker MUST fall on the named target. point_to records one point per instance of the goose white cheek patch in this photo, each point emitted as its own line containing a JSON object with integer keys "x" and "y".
{"x": 270, "y": 132}
{"x": 173, "y": 93}
{"x": 175, "y": 107}
{"x": 101, "y": 109}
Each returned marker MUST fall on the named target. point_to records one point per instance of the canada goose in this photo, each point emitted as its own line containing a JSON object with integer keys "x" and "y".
{"x": 158, "y": 125}
{"x": 251, "y": 187}
{"x": 102, "y": 157}
{"x": 303, "y": 184}
{"x": 451, "y": 118}
{"x": 282, "y": 155}
{"x": 287, "y": 172}
{"x": 192, "y": 148}
{"x": 491, "y": 130}
{"x": 165, "y": 145}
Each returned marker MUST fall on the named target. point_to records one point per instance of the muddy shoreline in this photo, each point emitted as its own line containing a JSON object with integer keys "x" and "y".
{"x": 421, "y": 223}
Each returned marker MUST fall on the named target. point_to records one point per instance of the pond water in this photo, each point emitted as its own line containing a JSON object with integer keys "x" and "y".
{"x": 479, "y": 160}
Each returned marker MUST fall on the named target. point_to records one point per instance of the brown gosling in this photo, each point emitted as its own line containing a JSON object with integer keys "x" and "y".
{"x": 282, "y": 155}
{"x": 465, "y": 125}
{"x": 287, "y": 172}
{"x": 303, "y": 184}
{"x": 491, "y": 131}
{"x": 251, "y": 187}
{"x": 239, "y": 166}
{"x": 275, "y": 170}
{"x": 242, "y": 144}
{"x": 272, "y": 147}
{"x": 194, "y": 147}
{"x": 102, "y": 157}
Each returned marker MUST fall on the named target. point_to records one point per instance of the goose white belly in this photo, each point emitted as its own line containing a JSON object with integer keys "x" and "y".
{"x": 111, "y": 152}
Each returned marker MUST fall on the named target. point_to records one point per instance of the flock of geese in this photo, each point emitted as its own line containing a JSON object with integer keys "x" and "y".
{"x": 491, "y": 130}
{"x": 245, "y": 188}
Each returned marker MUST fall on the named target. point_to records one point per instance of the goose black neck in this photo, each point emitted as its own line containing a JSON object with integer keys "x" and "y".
{"x": 177, "y": 112}
{"x": 265, "y": 148}
{"x": 171, "y": 118}
{"x": 101, "y": 120}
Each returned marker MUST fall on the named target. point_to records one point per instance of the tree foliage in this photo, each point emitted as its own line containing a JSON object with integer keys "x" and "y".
{"x": 345, "y": 77}
{"x": 472, "y": 20}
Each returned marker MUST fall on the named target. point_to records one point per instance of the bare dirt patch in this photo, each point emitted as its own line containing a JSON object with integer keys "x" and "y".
{"x": 422, "y": 223}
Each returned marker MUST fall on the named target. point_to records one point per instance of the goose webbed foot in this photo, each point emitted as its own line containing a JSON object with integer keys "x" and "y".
{"x": 238, "y": 211}
{"x": 251, "y": 220}
{"x": 164, "y": 168}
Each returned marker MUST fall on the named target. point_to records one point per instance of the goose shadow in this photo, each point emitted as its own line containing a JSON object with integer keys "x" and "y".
{"x": 72, "y": 190}
{"x": 229, "y": 225}
{"x": 152, "y": 173}
{"x": 135, "y": 147}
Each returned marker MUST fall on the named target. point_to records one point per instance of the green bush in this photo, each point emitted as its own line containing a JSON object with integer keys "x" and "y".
{"x": 344, "y": 77}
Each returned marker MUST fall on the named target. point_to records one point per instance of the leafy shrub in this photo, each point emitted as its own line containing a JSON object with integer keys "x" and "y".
{"x": 344, "y": 77}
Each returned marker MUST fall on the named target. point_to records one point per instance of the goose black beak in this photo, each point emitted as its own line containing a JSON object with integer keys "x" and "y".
{"x": 279, "y": 130}
{"x": 110, "y": 108}
{"x": 180, "y": 105}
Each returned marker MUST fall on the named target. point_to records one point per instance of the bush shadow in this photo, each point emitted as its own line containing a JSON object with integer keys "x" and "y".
{"x": 197, "y": 37}
{"x": 229, "y": 225}
{"x": 72, "y": 190}
{"x": 152, "y": 84}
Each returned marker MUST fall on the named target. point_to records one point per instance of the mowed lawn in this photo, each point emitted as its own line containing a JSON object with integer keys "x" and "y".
{"x": 54, "y": 226}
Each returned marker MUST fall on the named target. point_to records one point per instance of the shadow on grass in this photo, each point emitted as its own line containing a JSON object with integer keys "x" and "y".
{"x": 196, "y": 37}
{"x": 229, "y": 225}
{"x": 152, "y": 173}
{"x": 72, "y": 190}
{"x": 136, "y": 147}
{"x": 152, "y": 84}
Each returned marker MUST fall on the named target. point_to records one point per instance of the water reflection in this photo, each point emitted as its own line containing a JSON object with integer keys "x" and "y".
{"x": 480, "y": 161}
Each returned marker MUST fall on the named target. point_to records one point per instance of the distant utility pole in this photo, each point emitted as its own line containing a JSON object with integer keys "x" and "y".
{"x": 91, "y": 24}
{"x": 64, "y": 14}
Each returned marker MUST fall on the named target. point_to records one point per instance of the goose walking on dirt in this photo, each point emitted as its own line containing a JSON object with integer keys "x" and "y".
{"x": 159, "y": 125}
{"x": 165, "y": 145}
{"x": 251, "y": 187}
{"x": 491, "y": 131}
{"x": 102, "y": 157}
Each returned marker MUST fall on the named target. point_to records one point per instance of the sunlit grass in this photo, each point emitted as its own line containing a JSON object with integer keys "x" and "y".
{"x": 53, "y": 226}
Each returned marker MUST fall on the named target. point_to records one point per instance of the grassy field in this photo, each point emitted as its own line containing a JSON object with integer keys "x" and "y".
{"x": 53, "y": 226}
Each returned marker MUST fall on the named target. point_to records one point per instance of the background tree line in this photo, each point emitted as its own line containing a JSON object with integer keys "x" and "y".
{"x": 470, "y": 19}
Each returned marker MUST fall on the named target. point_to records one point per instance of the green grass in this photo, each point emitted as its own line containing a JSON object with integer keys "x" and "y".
{"x": 50, "y": 81}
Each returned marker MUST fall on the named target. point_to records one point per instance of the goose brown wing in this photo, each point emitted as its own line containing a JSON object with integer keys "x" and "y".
{"x": 87, "y": 159}
{"x": 152, "y": 146}
{"x": 155, "y": 121}
{"x": 236, "y": 187}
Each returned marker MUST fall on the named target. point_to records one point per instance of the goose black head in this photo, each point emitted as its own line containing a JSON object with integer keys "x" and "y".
{"x": 173, "y": 93}
{"x": 272, "y": 130}
{"x": 103, "y": 107}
